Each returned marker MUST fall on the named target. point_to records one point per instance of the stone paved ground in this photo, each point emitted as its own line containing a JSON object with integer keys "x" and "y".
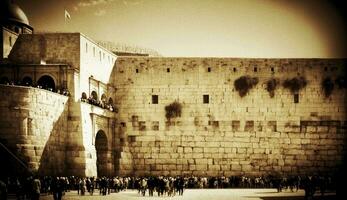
{"x": 202, "y": 194}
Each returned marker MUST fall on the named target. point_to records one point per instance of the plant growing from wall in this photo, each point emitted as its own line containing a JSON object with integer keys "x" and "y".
{"x": 327, "y": 86}
{"x": 295, "y": 84}
{"x": 173, "y": 110}
{"x": 271, "y": 85}
{"x": 341, "y": 82}
{"x": 244, "y": 84}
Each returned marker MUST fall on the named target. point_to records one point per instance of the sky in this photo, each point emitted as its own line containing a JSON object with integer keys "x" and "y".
{"x": 203, "y": 28}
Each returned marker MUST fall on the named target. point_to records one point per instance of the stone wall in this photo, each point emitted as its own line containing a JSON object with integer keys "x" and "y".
{"x": 33, "y": 125}
{"x": 57, "y": 48}
{"x": 254, "y": 134}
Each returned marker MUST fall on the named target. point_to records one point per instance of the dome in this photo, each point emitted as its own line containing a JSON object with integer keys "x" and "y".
{"x": 10, "y": 12}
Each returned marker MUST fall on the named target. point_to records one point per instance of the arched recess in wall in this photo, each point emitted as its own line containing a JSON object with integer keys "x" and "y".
{"x": 110, "y": 101}
{"x": 46, "y": 82}
{"x": 94, "y": 95}
{"x": 84, "y": 95}
{"x": 4, "y": 80}
{"x": 27, "y": 81}
{"x": 103, "y": 98}
{"x": 101, "y": 148}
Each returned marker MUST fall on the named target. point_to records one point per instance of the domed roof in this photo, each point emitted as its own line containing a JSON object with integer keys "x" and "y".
{"x": 12, "y": 12}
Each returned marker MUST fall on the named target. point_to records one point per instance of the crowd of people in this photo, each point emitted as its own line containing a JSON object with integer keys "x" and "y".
{"x": 62, "y": 91}
{"x": 31, "y": 187}
{"x": 101, "y": 104}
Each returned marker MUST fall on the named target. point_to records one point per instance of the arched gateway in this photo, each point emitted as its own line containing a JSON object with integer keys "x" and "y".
{"x": 101, "y": 153}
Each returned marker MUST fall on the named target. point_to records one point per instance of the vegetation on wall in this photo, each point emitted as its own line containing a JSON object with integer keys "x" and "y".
{"x": 244, "y": 84}
{"x": 327, "y": 86}
{"x": 341, "y": 82}
{"x": 173, "y": 110}
{"x": 271, "y": 85}
{"x": 295, "y": 84}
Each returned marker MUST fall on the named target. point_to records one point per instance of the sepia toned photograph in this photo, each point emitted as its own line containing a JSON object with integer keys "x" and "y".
{"x": 173, "y": 99}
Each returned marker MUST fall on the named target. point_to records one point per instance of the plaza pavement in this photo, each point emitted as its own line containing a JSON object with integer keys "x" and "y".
{"x": 201, "y": 194}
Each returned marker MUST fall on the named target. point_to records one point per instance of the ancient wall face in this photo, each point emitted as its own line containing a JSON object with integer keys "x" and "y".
{"x": 33, "y": 125}
{"x": 254, "y": 134}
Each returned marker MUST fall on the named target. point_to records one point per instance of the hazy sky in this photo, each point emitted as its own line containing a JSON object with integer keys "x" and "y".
{"x": 228, "y": 28}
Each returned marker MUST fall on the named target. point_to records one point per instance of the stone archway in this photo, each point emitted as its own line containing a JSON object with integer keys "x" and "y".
{"x": 46, "y": 82}
{"x": 101, "y": 148}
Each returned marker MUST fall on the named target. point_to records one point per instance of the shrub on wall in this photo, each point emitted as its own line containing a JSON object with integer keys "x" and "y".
{"x": 173, "y": 110}
{"x": 271, "y": 85}
{"x": 295, "y": 84}
{"x": 341, "y": 82}
{"x": 328, "y": 86}
{"x": 244, "y": 84}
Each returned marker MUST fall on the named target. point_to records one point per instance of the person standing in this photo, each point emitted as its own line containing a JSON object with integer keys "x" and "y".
{"x": 36, "y": 189}
{"x": 3, "y": 190}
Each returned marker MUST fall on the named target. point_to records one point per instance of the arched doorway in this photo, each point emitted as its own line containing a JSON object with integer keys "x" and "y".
{"x": 46, "y": 82}
{"x": 101, "y": 153}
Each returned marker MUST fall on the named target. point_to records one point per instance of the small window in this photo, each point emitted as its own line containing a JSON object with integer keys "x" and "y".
{"x": 154, "y": 99}
{"x": 255, "y": 69}
{"x": 209, "y": 69}
{"x": 123, "y": 124}
{"x": 206, "y": 98}
{"x": 137, "y": 70}
{"x": 167, "y": 70}
{"x": 249, "y": 126}
{"x": 142, "y": 125}
{"x": 86, "y": 47}
{"x": 10, "y": 40}
{"x": 272, "y": 69}
{"x": 234, "y": 69}
{"x": 132, "y": 138}
{"x": 235, "y": 125}
{"x": 296, "y": 98}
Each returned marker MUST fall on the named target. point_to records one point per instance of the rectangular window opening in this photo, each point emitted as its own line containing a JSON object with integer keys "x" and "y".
{"x": 234, "y": 69}
{"x": 209, "y": 69}
{"x": 137, "y": 70}
{"x": 272, "y": 69}
{"x": 235, "y": 125}
{"x": 168, "y": 70}
{"x": 255, "y": 69}
{"x": 155, "y": 99}
{"x": 296, "y": 98}
{"x": 206, "y": 98}
{"x": 123, "y": 124}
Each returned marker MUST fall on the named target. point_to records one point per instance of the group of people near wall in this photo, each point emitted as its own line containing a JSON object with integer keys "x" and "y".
{"x": 62, "y": 91}
{"x": 32, "y": 186}
{"x": 101, "y": 104}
